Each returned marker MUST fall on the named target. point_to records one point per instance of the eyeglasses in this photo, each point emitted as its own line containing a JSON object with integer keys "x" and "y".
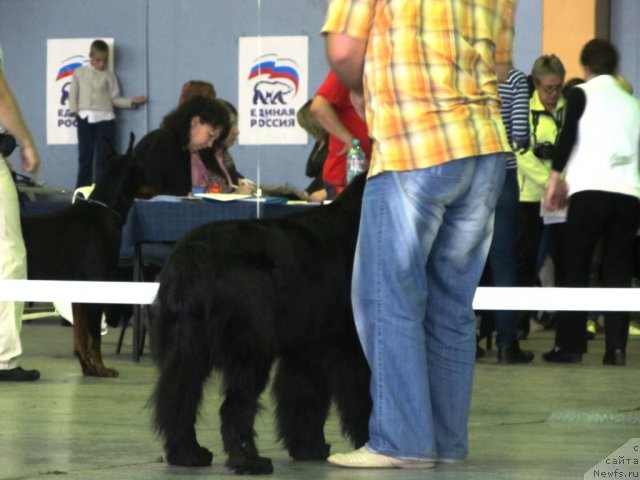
{"x": 550, "y": 89}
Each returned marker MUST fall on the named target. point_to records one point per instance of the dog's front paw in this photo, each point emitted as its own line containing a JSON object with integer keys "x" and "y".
{"x": 310, "y": 452}
{"x": 106, "y": 372}
{"x": 192, "y": 457}
{"x": 253, "y": 466}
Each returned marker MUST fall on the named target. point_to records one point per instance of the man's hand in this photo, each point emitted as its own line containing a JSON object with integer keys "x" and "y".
{"x": 30, "y": 160}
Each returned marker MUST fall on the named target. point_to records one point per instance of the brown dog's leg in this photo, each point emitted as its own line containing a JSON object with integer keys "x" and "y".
{"x": 85, "y": 345}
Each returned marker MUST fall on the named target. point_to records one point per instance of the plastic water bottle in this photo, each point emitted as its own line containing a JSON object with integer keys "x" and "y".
{"x": 356, "y": 160}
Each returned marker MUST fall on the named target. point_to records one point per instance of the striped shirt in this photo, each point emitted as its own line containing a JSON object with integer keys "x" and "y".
{"x": 430, "y": 86}
{"x": 514, "y": 93}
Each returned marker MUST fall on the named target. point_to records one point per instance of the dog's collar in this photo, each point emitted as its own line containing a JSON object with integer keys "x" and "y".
{"x": 102, "y": 204}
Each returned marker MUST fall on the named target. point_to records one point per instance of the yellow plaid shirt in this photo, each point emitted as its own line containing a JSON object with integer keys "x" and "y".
{"x": 430, "y": 87}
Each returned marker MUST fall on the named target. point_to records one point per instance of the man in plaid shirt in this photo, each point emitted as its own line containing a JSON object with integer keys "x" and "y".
{"x": 426, "y": 74}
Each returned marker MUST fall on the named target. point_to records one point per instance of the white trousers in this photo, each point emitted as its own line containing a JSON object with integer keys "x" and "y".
{"x": 13, "y": 265}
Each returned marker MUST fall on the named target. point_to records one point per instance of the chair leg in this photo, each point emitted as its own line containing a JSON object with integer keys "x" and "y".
{"x": 124, "y": 322}
{"x": 142, "y": 327}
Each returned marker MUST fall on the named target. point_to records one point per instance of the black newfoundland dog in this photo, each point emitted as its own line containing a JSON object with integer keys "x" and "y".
{"x": 82, "y": 242}
{"x": 236, "y": 296}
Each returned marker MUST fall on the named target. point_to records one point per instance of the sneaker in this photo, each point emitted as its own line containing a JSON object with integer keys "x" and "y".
{"x": 19, "y": 375}
{"x": 363, "y": 458}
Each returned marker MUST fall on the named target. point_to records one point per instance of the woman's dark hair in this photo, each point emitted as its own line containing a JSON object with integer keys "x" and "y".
{"x": 230, "y": 106}
{"x": 211, "y": 111}
{"x": 569, "y": 84}
{"x": 600, "y": 56}
{"x": 196, "y": 88}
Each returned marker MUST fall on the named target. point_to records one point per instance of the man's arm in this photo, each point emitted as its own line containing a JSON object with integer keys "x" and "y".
{"x": 346, "y": 56}
{"x": 325, "y": 114}
{"x": 502, "y": 71}
{"x": 11, "y": 119}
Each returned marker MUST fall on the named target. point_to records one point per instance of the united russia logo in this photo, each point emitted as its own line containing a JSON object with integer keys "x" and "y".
{"x": 63, "y": 83}
{"x": 275, "y": 83}
{"x": 278, "y": 80}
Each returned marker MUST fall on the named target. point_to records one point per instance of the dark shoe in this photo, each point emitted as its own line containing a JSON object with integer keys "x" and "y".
{"x": 557, "y": 355}
{"x": 617, "y": 357}
{"x": 513, "y": 355}
{"x": 19, "y": 375}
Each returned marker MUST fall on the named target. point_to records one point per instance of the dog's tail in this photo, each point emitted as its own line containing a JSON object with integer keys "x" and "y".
{"x": 180, "y": 345}
{"x": 184, "y": 307}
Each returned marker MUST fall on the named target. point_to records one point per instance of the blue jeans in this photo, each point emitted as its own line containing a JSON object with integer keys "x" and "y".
{"x": 423, "y": 241}
{"x": 502, "y": 256}
{"x": 92, "y": 150}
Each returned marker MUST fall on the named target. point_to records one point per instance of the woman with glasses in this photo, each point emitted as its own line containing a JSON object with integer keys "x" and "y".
{"x": 546, "y": 111}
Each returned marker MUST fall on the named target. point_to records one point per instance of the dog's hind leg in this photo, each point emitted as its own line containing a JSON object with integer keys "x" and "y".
{"x": 244, "y": 381}
{"x": 349, "y": 377}
{"x": 302, "y": 405}
{"x": 176, "y": 399}
{"x": 86, "y": 340}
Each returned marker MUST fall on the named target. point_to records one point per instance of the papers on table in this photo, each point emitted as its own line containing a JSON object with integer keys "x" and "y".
{"x": 222, "y": 197}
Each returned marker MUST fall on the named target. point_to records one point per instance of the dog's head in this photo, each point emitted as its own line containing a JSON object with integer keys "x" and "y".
{"x": 121, "y": 181}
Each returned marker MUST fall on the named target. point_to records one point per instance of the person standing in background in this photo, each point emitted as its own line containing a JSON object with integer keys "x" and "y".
{"x": 547, "y": 107}
{"x": 598, "y": 153}
{"x": 427, "y": 74}
{"x": 93, "y": 94}
{"x": 331, "y": 107}
{"x": 501, "y": 263}
{"x": 13, "y": 255}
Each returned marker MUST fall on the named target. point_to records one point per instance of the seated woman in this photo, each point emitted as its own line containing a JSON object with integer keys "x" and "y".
{"x": 218, "y": 171}
{"x": 166, "y": 153}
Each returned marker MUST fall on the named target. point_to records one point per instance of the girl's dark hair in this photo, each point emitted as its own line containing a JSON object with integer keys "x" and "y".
{"x": 211, "y": 111}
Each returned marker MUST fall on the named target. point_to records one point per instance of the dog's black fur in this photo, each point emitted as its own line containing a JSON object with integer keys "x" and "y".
{"x": 234, "y": 296}
{"x": 82, "y": 242}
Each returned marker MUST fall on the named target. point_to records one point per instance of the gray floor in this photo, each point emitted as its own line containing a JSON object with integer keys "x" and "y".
{"x": 538, "y": 421}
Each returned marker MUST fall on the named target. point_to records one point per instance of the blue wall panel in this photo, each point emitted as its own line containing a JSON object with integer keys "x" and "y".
{"x": 162, "y": 43}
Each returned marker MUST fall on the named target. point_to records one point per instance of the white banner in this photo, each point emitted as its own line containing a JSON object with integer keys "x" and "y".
{"x": 63, "y": 57}
{"x": 272, "y": 86}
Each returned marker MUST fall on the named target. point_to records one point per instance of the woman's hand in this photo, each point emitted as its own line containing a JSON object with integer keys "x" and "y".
{"x": 245, "y": 187}
{"x": 557, "y": 192}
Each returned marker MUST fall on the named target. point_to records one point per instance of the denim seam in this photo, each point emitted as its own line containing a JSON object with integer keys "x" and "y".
{"x": 378, "y": 276}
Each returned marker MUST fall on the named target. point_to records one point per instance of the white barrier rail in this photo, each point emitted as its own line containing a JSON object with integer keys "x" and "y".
{"x": 486, "y": 298}
{"x": 141, "y": 293}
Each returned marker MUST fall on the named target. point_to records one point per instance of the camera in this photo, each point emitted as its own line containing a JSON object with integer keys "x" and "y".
{"x": 7, "y": 144}
{"x": 544, "y": 150}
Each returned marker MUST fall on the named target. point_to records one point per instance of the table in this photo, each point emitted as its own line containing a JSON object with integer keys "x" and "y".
{"x": 163, "y": 223}
{"x": 41, "y": 200}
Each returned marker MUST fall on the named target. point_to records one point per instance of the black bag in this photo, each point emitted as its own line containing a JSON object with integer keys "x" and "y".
{"x": 7, "y": 144}
{"x": 316, "y": 159}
